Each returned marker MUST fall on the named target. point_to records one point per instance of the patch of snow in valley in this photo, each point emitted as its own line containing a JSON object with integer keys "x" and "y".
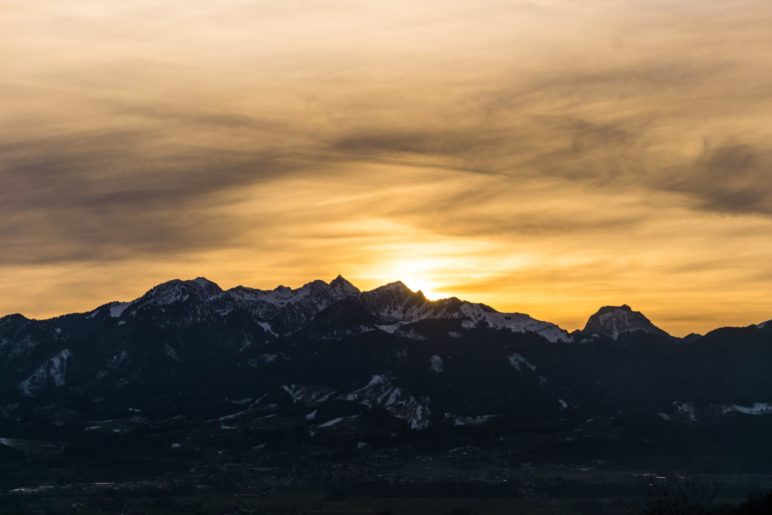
{"x": 232, "y": 415}
{"x": 411, "y": 335}
{"x": 436, "y": 364}
{"x": 758, "y": 408}
{"x": 389, "y": 328}
{"x": 53, "y": 371}
{"x": 380, "y": 391}
{"x": 335, "y": 421}
{"x": 473, "y": 420}
{"x": 308, "y": 394}
{"x": 686, "y": 409}
{"x": 267, "y": 328}
{"x": 518, "y": 362}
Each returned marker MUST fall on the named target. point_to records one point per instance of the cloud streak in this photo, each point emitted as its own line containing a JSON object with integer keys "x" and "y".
{"x": 571, "y": 152}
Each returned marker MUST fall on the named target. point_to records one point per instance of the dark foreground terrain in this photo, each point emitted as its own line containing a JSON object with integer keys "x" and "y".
{"x": 326, "y": 399}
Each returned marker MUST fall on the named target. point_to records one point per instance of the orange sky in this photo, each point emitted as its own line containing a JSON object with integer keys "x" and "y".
{"x": 544, "y": 156}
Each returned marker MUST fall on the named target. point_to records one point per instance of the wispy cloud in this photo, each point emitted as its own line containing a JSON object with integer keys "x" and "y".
{"x": 575, "y": 153}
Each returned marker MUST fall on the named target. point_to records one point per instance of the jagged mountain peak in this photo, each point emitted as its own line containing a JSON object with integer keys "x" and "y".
{"x": 316, "y": 283}
{"x": 178, "y": 290}
{"x": 609, "y": 309}
{"x": 343, "y": 285}
{"x": 394, "y": 293}
{"x": 613, "y": 321}
{"x": 396, "y": 303}
{"x": 284, "y": 311}
{"x": 395, "y": 285}
{"x": 396, "y": 288}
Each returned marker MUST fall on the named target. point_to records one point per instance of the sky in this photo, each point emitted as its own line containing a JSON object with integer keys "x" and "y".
{"x": 544, "y": 156}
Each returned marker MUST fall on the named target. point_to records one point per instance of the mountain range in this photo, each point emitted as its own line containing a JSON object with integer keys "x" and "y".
{"x": 189, "y": 366}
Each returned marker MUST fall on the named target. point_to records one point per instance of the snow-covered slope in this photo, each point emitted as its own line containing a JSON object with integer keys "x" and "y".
{"x": 613, "y": 321}
{"x": 475, "y": 314}
{"x": 285, "y": 311}
{"x": 396, "y": 305}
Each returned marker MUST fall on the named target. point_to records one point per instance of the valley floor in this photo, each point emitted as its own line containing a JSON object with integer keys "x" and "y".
{"x": 542, "y": 490}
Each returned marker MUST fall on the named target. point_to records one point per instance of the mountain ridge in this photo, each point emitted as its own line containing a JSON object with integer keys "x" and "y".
{"x": 394, "y": 301}
{"x": 341, "y": 288}
{"x": 326, "y": 364}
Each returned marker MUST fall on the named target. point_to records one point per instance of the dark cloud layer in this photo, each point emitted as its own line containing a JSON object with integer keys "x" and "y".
{"x": 733, "y": 178}
{"x": 108, "y": 195}
{"x": 526, "y": 148}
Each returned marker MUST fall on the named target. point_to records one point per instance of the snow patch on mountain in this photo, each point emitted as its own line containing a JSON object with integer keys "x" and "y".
{"x": 395, "y": 303}
{"x": 389, "y": 328}
{"x": 518, "y": 362}
{"x": 475, "y": 420}
{"x": 316, "y": 292}
{"x": 614, "y": 321}
{"x": 335, "y": 421}
{"x": 284, "y": 311}
{"x": 757, "y": 408}
{"x": 398, "y": 401}
{"x": 15, "y": 347}
{"x": 117, "y": 309}
{"x": 308, "y": 394}
{"x": 411, "y": 334}
{"x": 436, "y": 364}
{"x": 267, "y": 328}
{"x": 52, "y": 372}
{"x": 476, "y": 314}
{"x": 686, "y": 409}
{"x": 177, "y": 291}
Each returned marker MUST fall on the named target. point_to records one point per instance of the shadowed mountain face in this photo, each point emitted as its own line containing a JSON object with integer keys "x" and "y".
{"x": 614, "y": 321}
{"x": 389, "y": 366}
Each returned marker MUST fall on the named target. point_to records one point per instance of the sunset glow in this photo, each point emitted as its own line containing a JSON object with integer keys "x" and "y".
{"x": 546, "y": 157}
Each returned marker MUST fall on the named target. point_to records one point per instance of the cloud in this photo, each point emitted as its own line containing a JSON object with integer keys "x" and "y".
{"x": 111, "y": 195}
{"x": 734, "y": 178}
{"x": 587, "y": 146}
